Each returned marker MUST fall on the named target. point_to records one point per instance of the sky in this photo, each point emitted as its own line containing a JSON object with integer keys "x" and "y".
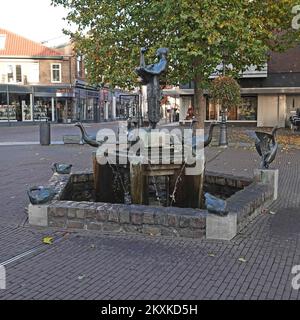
{"x": 34, "y": 19}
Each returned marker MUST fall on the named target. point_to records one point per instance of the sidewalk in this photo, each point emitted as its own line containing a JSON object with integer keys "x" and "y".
{"x": 30, "y": 134}
{"x": 237, "y": 136}
{"x": 257, "y": 264}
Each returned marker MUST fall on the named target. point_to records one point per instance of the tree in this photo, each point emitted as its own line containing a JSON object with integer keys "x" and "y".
{"x": 201, "y": 34}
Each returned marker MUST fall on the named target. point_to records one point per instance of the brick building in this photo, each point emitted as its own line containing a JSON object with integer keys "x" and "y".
{"x": 37, "y": 82}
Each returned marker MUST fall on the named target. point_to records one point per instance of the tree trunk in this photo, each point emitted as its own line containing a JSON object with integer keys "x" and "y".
{"x": 199, "y": 103}
{"x": 197, "y": 182}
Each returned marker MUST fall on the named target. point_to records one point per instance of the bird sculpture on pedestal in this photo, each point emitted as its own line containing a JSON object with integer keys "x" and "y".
{"x": 62, "y": 168}
{"x": 267, "y": 147}
{"x": 40, "y": 195}
{"x": 215, "y": 205}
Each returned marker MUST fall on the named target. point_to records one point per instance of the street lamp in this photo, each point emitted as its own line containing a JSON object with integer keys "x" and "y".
{"x": 223, "y": 142}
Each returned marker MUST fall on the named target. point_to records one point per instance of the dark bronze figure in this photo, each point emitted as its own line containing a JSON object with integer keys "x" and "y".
{"x": 150, "y": 76}
{"x": 40, "y": 195}
{"x": 215, "y": 205}
{"x": 62, "y": 168}
{"x": 207, "y": 137}
{"x": 267, "y": 147}
{"x": 89, "y": 139}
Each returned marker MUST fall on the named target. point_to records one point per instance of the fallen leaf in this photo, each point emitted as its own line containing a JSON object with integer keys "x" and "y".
{"x": 48, "y": 240}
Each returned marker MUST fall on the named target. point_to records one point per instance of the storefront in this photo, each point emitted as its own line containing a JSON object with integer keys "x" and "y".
{"x": 41, "y": 103}
{"x": 86, "y": 106}
{"x": 246, "y": 112}
{"x": 15, "y": 103}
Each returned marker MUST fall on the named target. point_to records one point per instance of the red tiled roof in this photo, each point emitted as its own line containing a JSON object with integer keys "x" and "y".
{"x": 16, "y": 45}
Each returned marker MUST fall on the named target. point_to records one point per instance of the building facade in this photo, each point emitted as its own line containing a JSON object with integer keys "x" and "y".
{"x": 38, "y": 83}
{"x": 269, "y": 96}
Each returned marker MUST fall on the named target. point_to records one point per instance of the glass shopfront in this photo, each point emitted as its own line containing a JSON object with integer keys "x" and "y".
{"x": 247, "y": 111}
{"x": 42, "y": 108}
{"x": 19, "y": 107}
{"x": 15, "y": 107}
{"x": 87, "y": 105}
{"x": 3, "y": 107}
{"x": 25, "y": 103}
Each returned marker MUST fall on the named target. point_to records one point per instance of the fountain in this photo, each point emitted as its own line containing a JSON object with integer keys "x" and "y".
{"x": 143, "y": 181}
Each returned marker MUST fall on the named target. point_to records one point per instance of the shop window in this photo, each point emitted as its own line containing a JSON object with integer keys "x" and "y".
{"x": 90, "y": 109}
{"x": 3, "y": 107}
{"x": 55, "y": 72}
{"x": 248, "y": 110}
{"x": 211, "y": 110}
{"x": 42, "y": 109}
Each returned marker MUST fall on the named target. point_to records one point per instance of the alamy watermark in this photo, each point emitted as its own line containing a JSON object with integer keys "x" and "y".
{"x": 296, "y": 278}
{"x": 296, "y": 19}
{"x": 2, "y": 277}
{"x": 152, "y": 147}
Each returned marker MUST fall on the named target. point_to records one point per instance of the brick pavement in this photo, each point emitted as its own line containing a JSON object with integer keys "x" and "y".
{"x": 106, "y": 266}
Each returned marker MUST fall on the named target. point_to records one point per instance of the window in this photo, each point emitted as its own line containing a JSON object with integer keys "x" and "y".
{"x": 248, "y": 110}
{"x": 56, "y": 73}
{"x": 18, "y": 73}
{"x": 2, "y": 41}
{"x": 10, "y": 73}
{"x": 13, "y": 74}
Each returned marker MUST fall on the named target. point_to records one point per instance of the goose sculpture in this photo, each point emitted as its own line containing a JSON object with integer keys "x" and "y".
{"x": 62, "y": 168}
{"x": 215, "y": 205}
{"x": 207, "y": 137}
{"x": 40, "y": 195}
{"x": 267, "y": 147}
{"x": 89, "y": 139}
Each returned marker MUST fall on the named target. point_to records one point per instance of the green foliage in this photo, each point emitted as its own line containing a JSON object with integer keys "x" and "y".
{"x": 226, "y": 91}
{"x": 200, "y": 34}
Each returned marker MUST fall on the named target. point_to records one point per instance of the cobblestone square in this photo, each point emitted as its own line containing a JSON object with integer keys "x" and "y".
{"x": 257, "y": 264}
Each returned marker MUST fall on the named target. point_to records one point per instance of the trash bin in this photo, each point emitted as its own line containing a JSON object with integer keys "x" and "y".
{"x": 45, "y": 133}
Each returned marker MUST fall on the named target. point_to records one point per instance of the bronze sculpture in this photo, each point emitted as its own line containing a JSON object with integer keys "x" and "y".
{"x": 89, "y": 139}
{"x": 207, "y": 137}
{"x": 266, "y": 146}
{"x": 40, "y": 195}
{"x": 215, "y": 205}
{"x": 150, "y": 76}
{"x": 62, "y": 168}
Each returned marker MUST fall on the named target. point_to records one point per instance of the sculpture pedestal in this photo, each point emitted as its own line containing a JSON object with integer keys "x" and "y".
{"x": 269, "y": 177}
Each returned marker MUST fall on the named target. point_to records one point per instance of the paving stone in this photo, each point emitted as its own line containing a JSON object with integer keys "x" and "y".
{"x": 134, "y": 266}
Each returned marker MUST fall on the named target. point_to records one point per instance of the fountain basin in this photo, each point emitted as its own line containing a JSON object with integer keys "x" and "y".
{"x": 73, "y": 208}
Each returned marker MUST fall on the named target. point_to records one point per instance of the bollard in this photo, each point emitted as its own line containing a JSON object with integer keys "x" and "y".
{"x": 45, "y": 133}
